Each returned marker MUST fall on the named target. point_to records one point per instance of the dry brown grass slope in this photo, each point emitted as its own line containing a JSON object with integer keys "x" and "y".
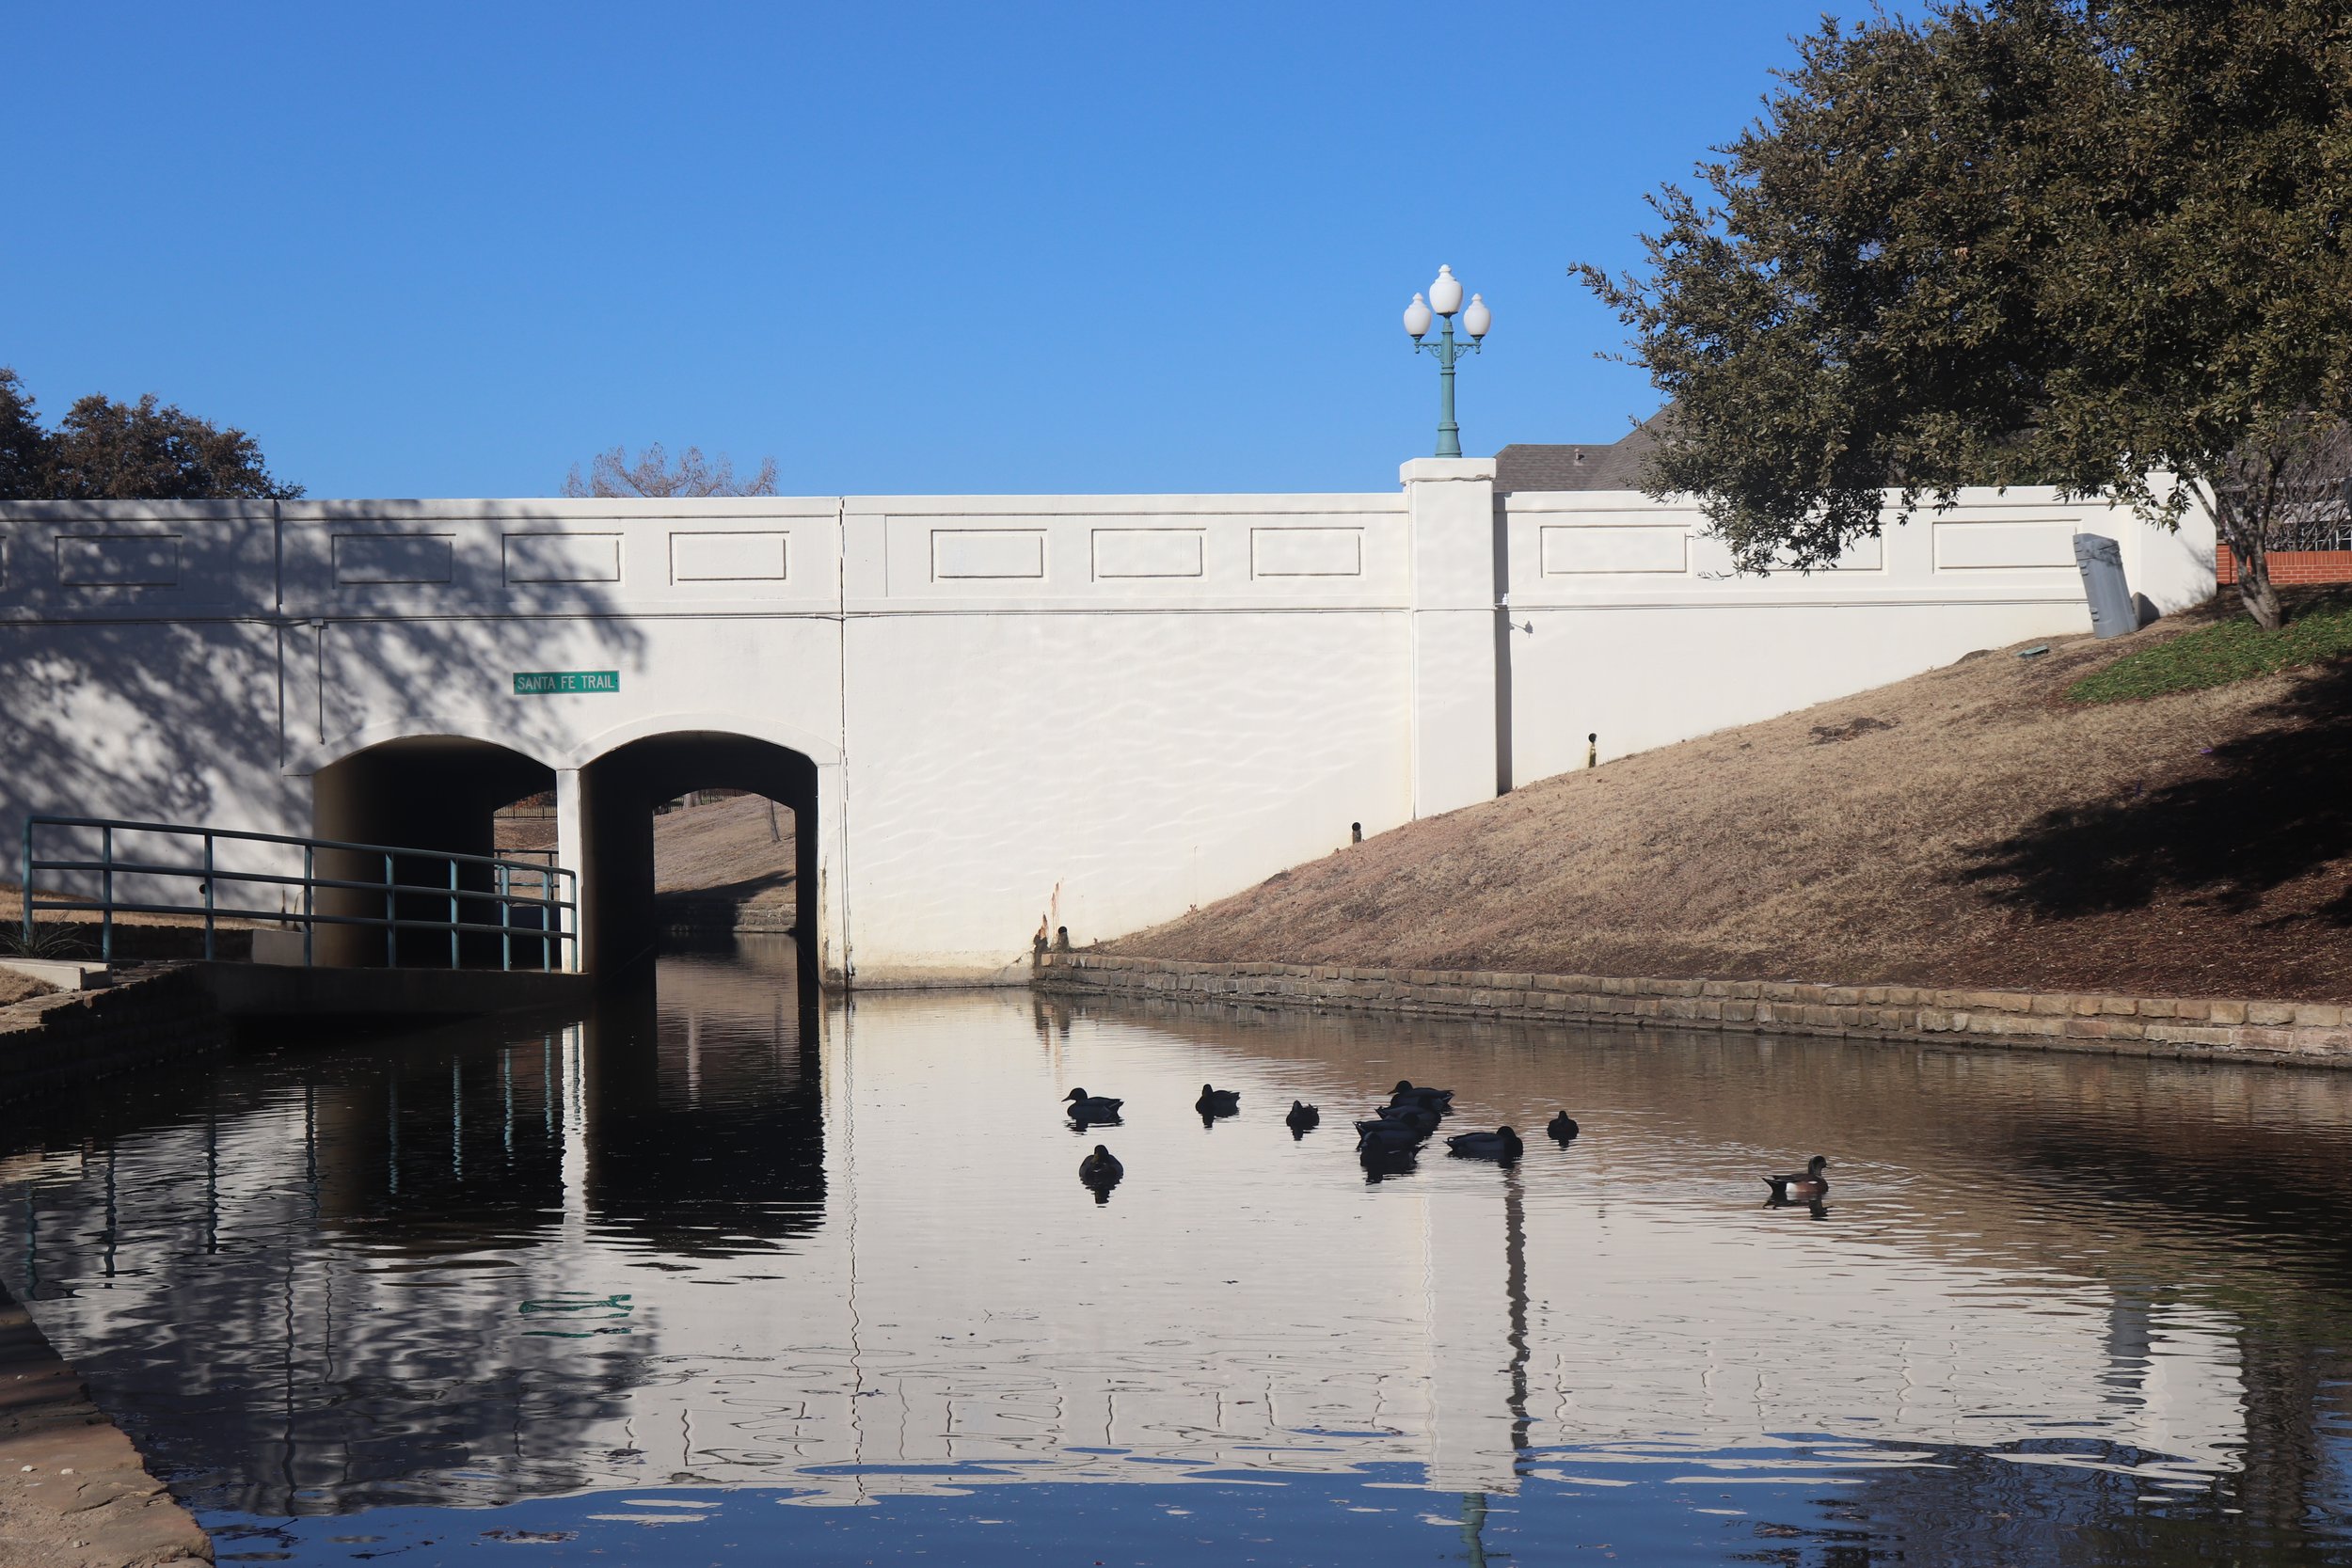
{"x": 739, "y": 850}
{"x": 1968, "y": 827}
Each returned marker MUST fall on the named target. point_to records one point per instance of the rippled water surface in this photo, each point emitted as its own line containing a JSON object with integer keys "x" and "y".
{"x": 722, "y": 1275}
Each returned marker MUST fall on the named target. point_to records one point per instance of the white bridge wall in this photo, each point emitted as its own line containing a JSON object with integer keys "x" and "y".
{"x": 1098, "y": 709}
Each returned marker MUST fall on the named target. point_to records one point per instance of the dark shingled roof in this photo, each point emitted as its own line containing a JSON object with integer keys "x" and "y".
{"x": 1615, "y": 466}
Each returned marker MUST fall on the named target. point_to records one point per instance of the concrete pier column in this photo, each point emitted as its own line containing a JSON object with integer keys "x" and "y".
{"x": 571, "y": 841}
{"x": 1457, "y": 743}
{"x": 824, "y": 915}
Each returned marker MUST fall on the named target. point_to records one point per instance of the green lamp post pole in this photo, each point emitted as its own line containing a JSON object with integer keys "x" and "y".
{"x": 1445, "y": 298}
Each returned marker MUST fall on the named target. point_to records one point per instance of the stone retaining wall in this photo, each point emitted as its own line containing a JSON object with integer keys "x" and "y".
{"x": 73, "y": 1036}
{"x": 2299, "y": 1032}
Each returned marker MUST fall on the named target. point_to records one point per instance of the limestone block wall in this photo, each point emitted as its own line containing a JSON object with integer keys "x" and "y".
{"x": 2312, "y": 1034}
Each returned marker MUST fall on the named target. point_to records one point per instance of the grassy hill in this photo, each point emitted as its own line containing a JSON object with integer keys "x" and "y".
{"x": 2006, "y": 822}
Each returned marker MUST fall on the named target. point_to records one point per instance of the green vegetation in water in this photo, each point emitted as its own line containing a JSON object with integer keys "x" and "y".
{"x": 2236, "y": 650}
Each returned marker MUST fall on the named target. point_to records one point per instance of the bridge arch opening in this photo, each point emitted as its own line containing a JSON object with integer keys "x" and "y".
{"x": 434, "y": 792}
{"x": 677, "y": 775}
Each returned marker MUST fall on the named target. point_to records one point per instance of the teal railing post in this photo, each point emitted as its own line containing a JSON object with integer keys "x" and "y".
{"x": 453, "y": 911}
{"x": 507, "y": 913}
{"x": 391, "y": 919}
{"x": 25, "y": 887}
{"x": 106, "y": 896}
{"x": 208, "y": 899}
{"x": 310, "y": 887}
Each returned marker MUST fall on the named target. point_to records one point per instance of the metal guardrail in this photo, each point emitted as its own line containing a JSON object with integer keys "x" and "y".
{"x": 557, "y": 915}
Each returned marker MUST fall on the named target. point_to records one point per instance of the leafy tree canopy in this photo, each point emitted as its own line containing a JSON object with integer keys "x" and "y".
{"x": 612, "y": 474}
{"x": 108, "y": 451}
{"x": 2082, "y": 243}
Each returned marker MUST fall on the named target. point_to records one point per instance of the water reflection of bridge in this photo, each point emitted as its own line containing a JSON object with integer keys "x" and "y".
{"x": 718, "y": 1236}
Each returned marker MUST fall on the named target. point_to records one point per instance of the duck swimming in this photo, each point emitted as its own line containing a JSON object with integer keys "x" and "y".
{"x": 1387, "y": 1135}
{"x": 1405, "y": 1093}
{"x": 1092, "y": 1107}
{"x": 1303, "y": 1116}
{"x": 1562, "y": 1128}
{"x": 1101, "y": 1168}
{"x": 1809, "y": 1186}
{"x": 1500, "y": 1144}
{"x": 1217, "y": 1102}
{"x": 1380, "y": 1161}
{"x": 1415, "y": 1114}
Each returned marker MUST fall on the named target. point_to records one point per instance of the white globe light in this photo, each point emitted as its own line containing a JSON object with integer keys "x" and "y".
{"x": 1477, "y": 318}
{"x": 1445, "y": 294}
{"x": 1417, "y": 316}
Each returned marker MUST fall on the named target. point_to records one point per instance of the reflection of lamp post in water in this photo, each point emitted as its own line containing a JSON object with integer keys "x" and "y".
{"x": 1445, "y": 298}
{"x": 1514, "y": 1293}
{"x": 1474, "y": 1526}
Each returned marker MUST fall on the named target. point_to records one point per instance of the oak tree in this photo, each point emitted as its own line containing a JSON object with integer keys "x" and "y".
{"x": 2103, "y": 244}
{"x": 108, "y": 451}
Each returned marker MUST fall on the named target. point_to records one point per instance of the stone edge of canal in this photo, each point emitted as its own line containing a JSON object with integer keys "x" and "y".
{"x": 73, "y": 1491}
{"x": 2289, "y": 1033}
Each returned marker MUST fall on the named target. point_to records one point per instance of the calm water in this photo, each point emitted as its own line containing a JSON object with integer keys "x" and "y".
{"x": 724, "y": 1276}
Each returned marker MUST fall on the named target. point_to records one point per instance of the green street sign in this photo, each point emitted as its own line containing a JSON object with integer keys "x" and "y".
{"x": 548, "y": 683}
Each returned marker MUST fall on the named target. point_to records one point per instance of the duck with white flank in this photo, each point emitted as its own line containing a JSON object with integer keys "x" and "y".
{"x": 1501, "y": 1144}
{"x": 1092, "y": 1107}
{"x": 1806, "y": 1186}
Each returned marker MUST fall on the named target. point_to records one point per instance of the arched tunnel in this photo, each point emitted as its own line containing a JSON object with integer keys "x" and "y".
{"x": 442, "y": 793}
{"x": 618, "y": 792}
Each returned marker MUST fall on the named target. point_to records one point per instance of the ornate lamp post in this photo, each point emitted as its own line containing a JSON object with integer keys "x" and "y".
{"x": 1445, "y": 298}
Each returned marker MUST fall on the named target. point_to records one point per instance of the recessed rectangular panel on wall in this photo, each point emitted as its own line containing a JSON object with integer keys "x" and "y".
{"x": 1307, "y": 552}
{"x": 364, "y": 559}
{"x": 1147, "y": 552}
{"x": 728, "y": 557}
{"x": 562, "y": 557}
{"x": 1997, "y": 547}
{"x": 1862, "y": 555}
{"x": 118, "y": 560}
{"x": 983, "y": 553}
{"x": 1574, "y": 551}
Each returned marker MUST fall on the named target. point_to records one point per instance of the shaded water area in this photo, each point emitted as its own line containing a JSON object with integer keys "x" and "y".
{"x": 723, "y": 1274}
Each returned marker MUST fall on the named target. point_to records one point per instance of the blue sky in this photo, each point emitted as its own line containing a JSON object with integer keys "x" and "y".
{"x": 423, "y": 250}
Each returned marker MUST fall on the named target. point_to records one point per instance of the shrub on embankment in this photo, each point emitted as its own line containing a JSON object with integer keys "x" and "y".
{"x": 1974, "y": 826}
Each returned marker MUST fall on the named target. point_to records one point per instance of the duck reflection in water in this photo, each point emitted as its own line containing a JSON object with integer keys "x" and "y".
{"x": 1101, "y": 1171}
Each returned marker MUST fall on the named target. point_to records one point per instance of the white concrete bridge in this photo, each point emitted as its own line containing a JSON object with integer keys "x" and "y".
{"x": 982, "y": 708}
